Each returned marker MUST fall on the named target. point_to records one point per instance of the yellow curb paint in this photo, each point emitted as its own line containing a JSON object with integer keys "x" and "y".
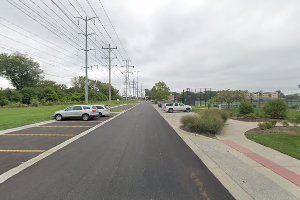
{"x": 50, "y": 135}
{"x": 63, "y": 126}
{"x": 20, "y": 151}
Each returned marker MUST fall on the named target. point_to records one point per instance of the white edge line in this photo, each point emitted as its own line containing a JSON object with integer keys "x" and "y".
{"x": 37, "y": 124}
{"x": 10, "y": 173}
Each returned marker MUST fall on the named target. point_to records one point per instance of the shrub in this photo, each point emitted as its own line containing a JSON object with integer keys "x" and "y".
{"x": 285, "y": 123}
{"x": 273, "y": 123}
{"x": 246, "y": 108}
{"x": 250, "y": 116}
{"x": 35, "y": 102}
{"x": 265, "y": 125}
{"x": 3, "y": 102}
{"x": 217, "y": 113}
{"x": 16, "y": 105}
{"x": 209, "y": 121}
{"x": 276, "y": 109}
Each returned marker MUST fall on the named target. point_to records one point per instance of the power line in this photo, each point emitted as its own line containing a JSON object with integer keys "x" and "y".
{"x": 109, "y": 65}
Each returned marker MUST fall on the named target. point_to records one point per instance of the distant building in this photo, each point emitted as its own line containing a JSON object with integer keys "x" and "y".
{"x": 262, "y": 95}
{"x": 259, "y": 99}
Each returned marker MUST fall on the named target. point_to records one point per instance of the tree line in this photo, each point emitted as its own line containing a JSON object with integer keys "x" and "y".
{"x": 30, "y": 87}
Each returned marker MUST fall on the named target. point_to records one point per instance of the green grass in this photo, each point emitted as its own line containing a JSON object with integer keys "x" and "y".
{"x": 15, "y": 117}
{"x": 287, "y": 144}
{"x": 116, "y": 110}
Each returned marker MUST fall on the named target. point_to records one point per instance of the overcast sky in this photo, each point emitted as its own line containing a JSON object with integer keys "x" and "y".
{"x": 250, "y": 45}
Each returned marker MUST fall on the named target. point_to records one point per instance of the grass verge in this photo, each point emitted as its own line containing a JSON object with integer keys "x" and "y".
{"x": 282, "y": 142}
{"x": 15, "y": 117}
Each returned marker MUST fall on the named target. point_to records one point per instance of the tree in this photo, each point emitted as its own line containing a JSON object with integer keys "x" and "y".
{"x": 20, "y": 70}
{"x": 160, "y": 91}
{"x": 246, "y": 107}
{"x": 229, "y": 97}
{"x": 97, "y": 90}
{"x": 276, "y": 109}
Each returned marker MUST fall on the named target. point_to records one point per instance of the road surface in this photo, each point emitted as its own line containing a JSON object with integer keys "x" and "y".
{"x": 135, "y": 156}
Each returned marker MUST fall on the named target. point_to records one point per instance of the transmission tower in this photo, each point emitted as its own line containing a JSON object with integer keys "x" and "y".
{"x": 126, "y": 73}
{"x": 86, "y": 35}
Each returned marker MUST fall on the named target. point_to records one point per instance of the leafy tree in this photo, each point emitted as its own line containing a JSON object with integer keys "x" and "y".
{"x": 13, "y": 95}
{"x": 3, "y": 99}
{"x": 97, "y": 90}
{"x": 229, "y": 97}
{"x": 20, "y": 70}
{"x": 160, "y": 91}
{"x": 29, "y": 93}
{"x": 276, "y": 109}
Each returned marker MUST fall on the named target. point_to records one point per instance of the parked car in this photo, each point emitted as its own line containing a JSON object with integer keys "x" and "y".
{"x": 85, "y": 112}
{"x": 103, "y": 110}
{"x": 171, "y": 107}
{"x": 162, "y": 103}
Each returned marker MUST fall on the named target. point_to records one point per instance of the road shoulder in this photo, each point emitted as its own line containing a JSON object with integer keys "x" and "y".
{"x": 244, "y": 178}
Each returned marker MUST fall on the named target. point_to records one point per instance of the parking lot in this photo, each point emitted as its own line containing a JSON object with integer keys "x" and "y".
{"x": 19, "y": 146}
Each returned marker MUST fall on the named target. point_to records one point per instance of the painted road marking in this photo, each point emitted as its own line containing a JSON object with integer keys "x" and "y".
{"x": 63, "y": 126}
{"x": 282, "y": 171}
{"x": 24, "y": 134}
{"x": 21, "y": 151}
{"x": 10, "y": 173}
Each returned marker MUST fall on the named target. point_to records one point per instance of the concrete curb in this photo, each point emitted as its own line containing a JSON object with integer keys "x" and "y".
{"x": 236, "y": 191}
{"x": 10, "y": 173}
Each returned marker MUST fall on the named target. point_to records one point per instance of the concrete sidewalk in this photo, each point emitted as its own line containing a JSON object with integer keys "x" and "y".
{"x": 234, "y": 131}
{"x": 242, "y": 176}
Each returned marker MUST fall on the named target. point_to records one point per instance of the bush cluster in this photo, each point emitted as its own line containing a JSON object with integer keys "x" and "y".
{"x": 265, "y": 125}
{"x": 246, "y": 108}
{"x": 276, "y": 109}
{"x": 209, "y": 121}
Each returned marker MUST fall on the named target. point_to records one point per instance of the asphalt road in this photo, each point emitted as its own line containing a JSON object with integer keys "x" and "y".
{"x": 135, "y": 156}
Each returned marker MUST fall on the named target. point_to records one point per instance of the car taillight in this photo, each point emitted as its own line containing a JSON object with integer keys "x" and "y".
{"x": 94, "y": 110}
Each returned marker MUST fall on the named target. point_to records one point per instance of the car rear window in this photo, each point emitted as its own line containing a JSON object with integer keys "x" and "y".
{"x": 94, "y": 107}
{"x": 100, "y": 107}
{"x": 86, "y": 108}
{"x": 169, "y": 104}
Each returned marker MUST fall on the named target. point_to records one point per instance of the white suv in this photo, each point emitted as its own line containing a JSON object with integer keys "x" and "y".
{"x": 103, "y": 110}
{"x": 84, "y": 112}
{"x": 171, "y": 107}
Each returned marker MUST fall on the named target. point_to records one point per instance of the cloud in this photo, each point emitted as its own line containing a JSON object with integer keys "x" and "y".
{"x": 251, "y": 45}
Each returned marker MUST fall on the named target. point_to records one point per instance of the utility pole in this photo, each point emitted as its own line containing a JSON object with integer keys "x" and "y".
{"x": 109, "y": 67}
{"x": 127, "y": 81}
{"x": 133, "y": 87}
{"x": 86, "y": 34}
{"x": 137, "y": 85}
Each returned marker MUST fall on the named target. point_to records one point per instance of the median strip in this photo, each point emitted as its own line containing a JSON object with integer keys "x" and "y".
{"x": 20, "y": 151}
{"x": 49, "y": 135}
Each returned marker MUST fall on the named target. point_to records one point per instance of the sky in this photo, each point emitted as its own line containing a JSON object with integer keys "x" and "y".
{"x": 231, "y": 44}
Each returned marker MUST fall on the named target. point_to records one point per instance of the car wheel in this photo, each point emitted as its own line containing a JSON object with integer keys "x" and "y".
{"x": 100, "y": 114}
{"x": 58, "y": 117}
{"x": 188, "y": 110}
{"x": 85, "y": 117}
{"x": 170, "y": 110}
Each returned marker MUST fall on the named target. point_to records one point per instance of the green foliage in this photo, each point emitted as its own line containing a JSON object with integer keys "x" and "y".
{"x": 246, "y": 108}
{"x": 229, "y": 97}
{"x": 3, "y": 100}
{"x": 160, "y": 91}
{"x": 209, "y": 121}
{"x": 20, "y": 70}
{"x": 250, "y": 116}
{"x": 223, "y": 114}
{"x": 273, "y": 122}
{"x": 276, "y": 109}
{"x": 265, "y": 125}
{"x": 285, "y": 123}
